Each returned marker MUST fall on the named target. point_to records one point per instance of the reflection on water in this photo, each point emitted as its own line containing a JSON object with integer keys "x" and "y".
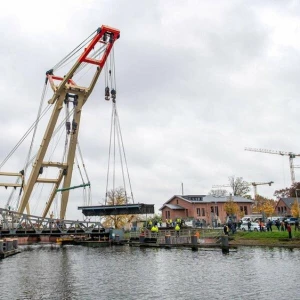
{"x": 123, "y": 272}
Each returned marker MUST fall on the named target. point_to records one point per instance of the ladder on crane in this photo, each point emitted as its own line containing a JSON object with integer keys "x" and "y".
{"x": 291, "y": 156}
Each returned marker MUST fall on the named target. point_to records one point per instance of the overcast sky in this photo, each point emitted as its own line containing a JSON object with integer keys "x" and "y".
{"x": 197, "y": 82}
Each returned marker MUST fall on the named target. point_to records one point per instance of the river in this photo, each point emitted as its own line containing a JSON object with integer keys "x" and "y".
{"x": 123, "y": 272}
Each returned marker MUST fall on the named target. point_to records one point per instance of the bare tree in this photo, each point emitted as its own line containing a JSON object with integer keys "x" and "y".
{"x": 218, "y": 193}
{"x": 239, "y": 186}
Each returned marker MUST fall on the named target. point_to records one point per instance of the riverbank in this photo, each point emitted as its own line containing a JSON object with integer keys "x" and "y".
{"x": 269, "y": 239}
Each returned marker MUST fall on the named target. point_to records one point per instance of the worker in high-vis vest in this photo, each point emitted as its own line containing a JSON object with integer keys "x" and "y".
{"x": 177, "y": 229}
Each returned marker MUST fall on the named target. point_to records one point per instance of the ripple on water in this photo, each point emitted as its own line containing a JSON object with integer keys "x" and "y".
{"x": 124, "y": 272}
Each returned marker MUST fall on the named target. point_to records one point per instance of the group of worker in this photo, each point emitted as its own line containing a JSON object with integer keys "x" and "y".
{"x": 177, "y": 225}
{"x": 178, "y": 221}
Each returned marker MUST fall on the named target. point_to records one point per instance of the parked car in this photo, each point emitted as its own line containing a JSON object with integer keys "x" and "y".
{"x": 254, "y": 227}
{"x": 273, "y": 219}
{"x": 291, "y": 221}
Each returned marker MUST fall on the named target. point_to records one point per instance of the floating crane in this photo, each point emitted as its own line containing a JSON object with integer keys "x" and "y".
{"x": 67, "y": 92}
{"x": 254, "y": 184}
{"x": 291, "y": 156}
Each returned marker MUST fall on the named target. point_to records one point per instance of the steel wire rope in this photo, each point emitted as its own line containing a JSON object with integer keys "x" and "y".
{"x": 80, "y": 173}
{"x": 125, "y": 159}
{"x": 31, "y": 146}
{"x": 82, "y": 65}
{"x": 56, "y": 205}
{"x": 110, "y": 145}
{"x": 56, "y": 67}
{"x": 39, "y": 196}
{"x": 114, "y": 133}
{"x": 119, "y": 125}
{"x": 84, "y": 169}
{"x": 36, "y": 126}
{"x": 10, "y": 199}
{"x": 75, "y": 50}
{"x": 52, "y": 137}
{"x": 23, "y": 138}
{"x": 55, "y": 132}
{"x": 109, "y": 154}
{"x": 114, "y": 164}
{"x": 114, "y": 68}
{"x": 93, "y": 56}
{"x": 82, "y": 179}
{"x": 67, "y": 117}
{"x": 121, "y": 159}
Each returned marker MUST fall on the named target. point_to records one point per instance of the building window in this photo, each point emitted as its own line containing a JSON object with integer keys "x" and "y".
{"x": 245, "y": 210}
{"x": 217, "y": 210}
{"x": 167, "y": 214}
{"x": 203, "y": 212}
{"x": 278, "y": 209}
{"x": 285, "y": 209}
{"x": 198, "y": 211}
{"x": 241, "y": 208}
{"x": 177, "y": 201}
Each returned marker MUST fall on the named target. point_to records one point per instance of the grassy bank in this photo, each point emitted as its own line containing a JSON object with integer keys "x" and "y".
{"x": 269, "y": 238}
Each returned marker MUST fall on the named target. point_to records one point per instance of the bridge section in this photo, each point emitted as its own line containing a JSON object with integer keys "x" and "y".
{"x": 13, "y": 223}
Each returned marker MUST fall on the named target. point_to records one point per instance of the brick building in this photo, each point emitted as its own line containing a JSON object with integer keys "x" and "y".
{"x": 207, "y": 208}
{"x": 284, "y": 205}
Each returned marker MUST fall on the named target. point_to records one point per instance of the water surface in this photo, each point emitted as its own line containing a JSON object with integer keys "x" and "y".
{"x": 123, "y": 272}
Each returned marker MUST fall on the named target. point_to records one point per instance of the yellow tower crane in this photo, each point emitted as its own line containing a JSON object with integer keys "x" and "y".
{"x": 291, "y": 156}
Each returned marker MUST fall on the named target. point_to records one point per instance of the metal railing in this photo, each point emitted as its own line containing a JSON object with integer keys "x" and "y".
{"x": 14, "y": 223}
{"x": 180, "y": 237}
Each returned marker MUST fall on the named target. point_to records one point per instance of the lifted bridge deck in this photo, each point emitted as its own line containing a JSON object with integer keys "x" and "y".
{"x": 124, "y": 209}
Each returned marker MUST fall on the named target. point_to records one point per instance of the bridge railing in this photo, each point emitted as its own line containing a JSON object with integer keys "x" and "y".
{"x": 184, "y": 234}
{"x": 14, "y": 222}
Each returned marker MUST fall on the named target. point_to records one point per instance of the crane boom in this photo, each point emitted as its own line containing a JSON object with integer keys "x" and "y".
{"x": 254, "y": 184}
{"x": 272, "y": 152}
{"x": 65, "y": 90}
{"x": 291, "y": 156}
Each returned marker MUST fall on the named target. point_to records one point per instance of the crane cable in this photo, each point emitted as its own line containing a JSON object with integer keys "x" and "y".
{"x": 32, "y": 159}
{"x": 109, "y": 154}
{"x": 41, "y": 114}
{"x": 115, "y": 133}
{"x": 24, "y": 137}
{"x": 85, "y": 173}
{"x": 74, "y": 51}
{"x": 58, "y": 65}
{"x": 34, "y": 127}
{"x": 124, "y": 154}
